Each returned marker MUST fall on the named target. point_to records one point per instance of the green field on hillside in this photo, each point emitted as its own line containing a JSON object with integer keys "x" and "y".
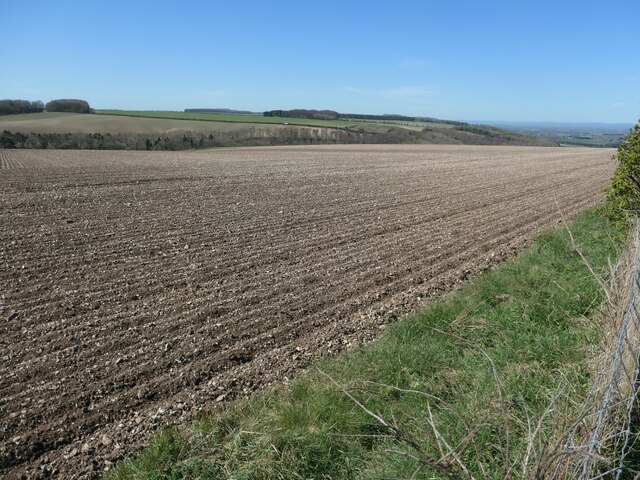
{"x": 223, "y": 117}
{"x": 266, "y": 130}
{"x": 49, "y": 122}
{"x": 367, "y": 125}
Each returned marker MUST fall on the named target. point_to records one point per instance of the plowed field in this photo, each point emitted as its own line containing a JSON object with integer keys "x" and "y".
{"x": 139, "y": 288}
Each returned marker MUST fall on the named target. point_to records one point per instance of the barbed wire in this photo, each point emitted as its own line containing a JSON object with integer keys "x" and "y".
{"x": 599, "y": 442}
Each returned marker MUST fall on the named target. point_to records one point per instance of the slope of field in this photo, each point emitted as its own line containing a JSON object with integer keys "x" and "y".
{"x": 423, "y": 131}
{"x": 230, "y": 118}
{"x": 264, "y": 130}
{"x": 83, "y": 123}
{"x": 140, "y": 288}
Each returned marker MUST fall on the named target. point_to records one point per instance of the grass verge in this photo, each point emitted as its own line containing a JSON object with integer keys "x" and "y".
{"x": 461, "y": 385}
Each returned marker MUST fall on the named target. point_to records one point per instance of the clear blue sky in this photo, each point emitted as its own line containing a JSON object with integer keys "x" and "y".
{"x": 483, "y": 60}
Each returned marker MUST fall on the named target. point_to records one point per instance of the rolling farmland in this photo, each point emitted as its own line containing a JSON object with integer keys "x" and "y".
{"x": 229, "y": 118}
{"x": 140, "y": 288}
{"x": 153, "y": 130}
{"x": 48, "y": 122}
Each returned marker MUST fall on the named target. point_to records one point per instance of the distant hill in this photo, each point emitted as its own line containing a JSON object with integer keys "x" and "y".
{"x": 569, "y": 133}
{"x": 333, "y": 115}
{"x": 165, "y": 130}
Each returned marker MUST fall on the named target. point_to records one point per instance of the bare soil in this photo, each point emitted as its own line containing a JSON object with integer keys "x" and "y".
{"x": 138, "y": 289}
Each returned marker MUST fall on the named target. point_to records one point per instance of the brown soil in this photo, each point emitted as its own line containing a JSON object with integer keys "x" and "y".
{"x": 138, "y": 289}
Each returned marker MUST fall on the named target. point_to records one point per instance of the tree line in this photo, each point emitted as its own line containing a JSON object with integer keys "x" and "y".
{"x": 187, "y": 140}
{"x": 225, "y": 111}
{"x": 302, "y": 113}
{"x": 255, "y": 136}
{"x": 11, "y": 107}
{"x": 73, "y": 105}
{"x": 333, "y": 115}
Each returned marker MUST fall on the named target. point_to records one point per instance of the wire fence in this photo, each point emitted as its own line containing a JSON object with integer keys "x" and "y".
{"x": 599, "y": 443}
